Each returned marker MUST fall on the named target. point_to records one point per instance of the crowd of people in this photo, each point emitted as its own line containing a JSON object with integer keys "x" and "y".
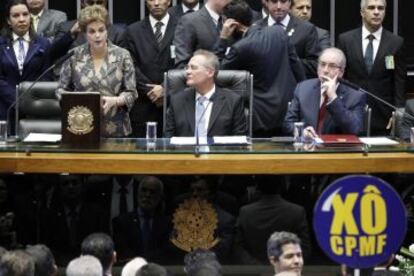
{"x": 297, "y": 78}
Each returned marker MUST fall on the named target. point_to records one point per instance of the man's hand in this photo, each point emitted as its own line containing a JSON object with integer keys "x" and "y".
{"x": 329, "y": 85}
{"x": 229, "y": 26}
{"x": 156, "y": 93}
{"x": 75, "y": 30}
{"x": 309, "y": 133}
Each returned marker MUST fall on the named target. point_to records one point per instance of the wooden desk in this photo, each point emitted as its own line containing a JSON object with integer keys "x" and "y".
{"x": 108, "y": 163}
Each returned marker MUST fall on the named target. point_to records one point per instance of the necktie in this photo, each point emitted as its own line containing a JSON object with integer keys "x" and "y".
{"x": 200, "y": 118}
{"x": 220, "y": 23}
{"x": 123, "y": 207}
{"x": 158, "y": 33}
{"x": 321, "y": 116}
{"x": 369, "y": 53}
{"x": 73, "y": 226}
{"x": 21, "y": 53}
{"x": 146, "y": 232}
{"x": 189, "y": 11}
{"x": 35, "y": 22}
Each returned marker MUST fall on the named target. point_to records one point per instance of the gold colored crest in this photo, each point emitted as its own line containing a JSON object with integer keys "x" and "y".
{"x": 80, "y": 120}
{"x": 195, "y": 221}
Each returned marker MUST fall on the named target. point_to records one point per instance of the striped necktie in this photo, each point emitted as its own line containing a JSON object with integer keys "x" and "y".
{"x": 158, "y": 33}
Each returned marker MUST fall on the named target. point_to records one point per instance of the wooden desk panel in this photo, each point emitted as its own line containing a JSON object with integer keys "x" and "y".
{"x": 207, "y": 164}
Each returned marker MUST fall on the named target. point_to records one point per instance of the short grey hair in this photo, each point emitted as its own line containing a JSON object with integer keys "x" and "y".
{"x": 85, "y": 265}
{"x": 277, "y": 240}
{"x": 338, "y": 52}
{"x": 364, "y": 3}
{"x": 211, "y": 59}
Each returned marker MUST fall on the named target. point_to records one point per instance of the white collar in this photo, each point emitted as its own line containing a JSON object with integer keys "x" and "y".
{"x": 164, "y": 20}
{"x": 208, "y": 95}
{"x": 185, "y": 8}
{"x": 212, "y": 13}
{"x": 26, "y": 37}
{"x": 284, "y": 22}
{"x": 377, "y": 34}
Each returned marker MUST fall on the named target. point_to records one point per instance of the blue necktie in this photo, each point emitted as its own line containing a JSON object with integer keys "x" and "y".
{"x": 21, "y": 54}
{"x": 369, "y": 53}
{"x": 200, "y": 118}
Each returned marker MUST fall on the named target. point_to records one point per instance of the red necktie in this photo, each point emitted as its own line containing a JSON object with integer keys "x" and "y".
{"x": 322, "y": 112}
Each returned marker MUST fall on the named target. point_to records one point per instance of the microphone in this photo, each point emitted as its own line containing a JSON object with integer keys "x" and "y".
{"x": 197, "y": 136}
{"x": 58, "y": 62}
{"x": 357, "y": 87}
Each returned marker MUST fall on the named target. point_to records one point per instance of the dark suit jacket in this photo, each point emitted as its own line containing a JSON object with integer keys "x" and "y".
{"x": 323, "y": 38}
{"x": 389, "y": 84}
{"x": 39, "y": 56}
{"x": 267, "y": 54}
{"x": 49, "y": 22}
{"x": 115, "y": 33}
{"x": 304, "y": 36}
{"x": 407, "y": 121}
{"x": 227, "y": 114}
{"x": 177, "y": 10}
{"x": 128, "y": 237}
{"x": 151, "y": 61}
{"x": 258, "y": 220}
{"x": 345, "y": 114}
{"x": 194, "y": 31}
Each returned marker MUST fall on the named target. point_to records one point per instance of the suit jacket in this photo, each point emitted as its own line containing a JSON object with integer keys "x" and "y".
{"x": 274, "y": 78}
{"x": 227, "y": 114}
{"x": 258, "y": 220}
{"x": 388, "y": 84}
{"x": 115, "y": 33}
{"x": 151, "y": 61}
{"x": 116, "y": 77}
{"x": 323, "y": 38}
{"x": 194, "y": 31}
{"x": 49, "y": 22}
{"x": 345, "y": 114}
{"x": 177, "y": 10}
{"x": 39, "y": 57}
{"x": 129, "y": 241}
{"x": 304, "y": 36}
{"x": 407, "y": 122}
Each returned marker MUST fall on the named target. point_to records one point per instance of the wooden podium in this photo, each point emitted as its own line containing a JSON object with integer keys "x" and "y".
{"x": 81, "y": 113}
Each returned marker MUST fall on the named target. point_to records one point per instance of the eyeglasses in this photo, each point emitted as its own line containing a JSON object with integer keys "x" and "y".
{"x": 330, "y": 66}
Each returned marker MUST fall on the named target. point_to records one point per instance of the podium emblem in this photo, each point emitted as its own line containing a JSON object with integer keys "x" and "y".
{"x": 80, "y": 120}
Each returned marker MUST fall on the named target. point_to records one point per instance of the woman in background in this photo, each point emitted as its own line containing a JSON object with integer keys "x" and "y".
{"x": 98, "y": 65}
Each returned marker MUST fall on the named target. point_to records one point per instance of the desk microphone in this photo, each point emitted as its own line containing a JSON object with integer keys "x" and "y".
{"x": 359, "y": 88}
{"x": 16, "y": 101}
{"x": 197, "y": 136}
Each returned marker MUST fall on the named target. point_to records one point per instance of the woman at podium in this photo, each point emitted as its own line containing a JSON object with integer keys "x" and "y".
{"x": 100, "y": 66}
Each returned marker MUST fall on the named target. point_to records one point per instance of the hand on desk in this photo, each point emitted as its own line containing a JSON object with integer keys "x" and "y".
{"x": 309, "y": 132}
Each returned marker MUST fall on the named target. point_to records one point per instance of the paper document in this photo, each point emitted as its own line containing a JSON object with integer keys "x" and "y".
{"x": 187, "y": 140}
{"x": 42, "y": 137}
{"x": 230, "y": 140}
{"x": 378, "y": 141}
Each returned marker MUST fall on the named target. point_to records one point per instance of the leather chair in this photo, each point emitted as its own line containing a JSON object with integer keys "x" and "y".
{"x": 238, "y": 81}
{"x": 39, "y": 108}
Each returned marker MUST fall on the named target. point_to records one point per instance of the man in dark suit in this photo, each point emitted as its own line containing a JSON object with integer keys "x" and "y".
{"x": 302, "y": 34}
{"x": 149, "y": 42}
{"x": 45, "y": 21}
{"x": 198, "y": 30}
{"x": 274, "y": 78}
{"x": 302, "y": 9}
{"x": 145, "y": 231}
{"x": 376, "y": 62}
{"x": 325, "y": 106}
{"x": 258, "y": 220}
{"x": 186, "y": 6}
{"x": 204, "y": 109}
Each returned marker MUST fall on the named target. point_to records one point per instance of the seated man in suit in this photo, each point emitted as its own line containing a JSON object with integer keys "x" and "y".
{"x": 324, "y": 105}
{"x": 407, "y": 121}
{"x": 45, "y": 21}
{"x": 205, "y": 109}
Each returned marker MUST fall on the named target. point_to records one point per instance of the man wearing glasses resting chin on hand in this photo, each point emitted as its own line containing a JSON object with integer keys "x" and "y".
{"x": 325, "y": 105}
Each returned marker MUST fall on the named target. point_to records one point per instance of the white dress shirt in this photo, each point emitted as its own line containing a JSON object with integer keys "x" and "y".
{"x": 375, "y": 42}
{"x": 26, "y": 42}
{"x": 164, "y": 21}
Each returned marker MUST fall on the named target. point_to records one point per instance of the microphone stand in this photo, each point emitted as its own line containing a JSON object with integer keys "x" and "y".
{"x": 19, "y": 96}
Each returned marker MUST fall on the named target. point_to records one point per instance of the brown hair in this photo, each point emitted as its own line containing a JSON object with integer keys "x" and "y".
{"x": 92, "y": 14}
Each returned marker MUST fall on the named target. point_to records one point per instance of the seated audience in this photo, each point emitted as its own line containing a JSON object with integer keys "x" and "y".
{"x": 45, "y": 21}
{"x": 407, "y": 121}
{"x": 84, "y": 266}
{"x": 101, "y": 246}
{"x": 144, "y": 231}
{"x": 285, "y": 253}
{"x": 205, "y": 109}
{"x": 133, "y": 266}
{"x": 99, "y": 65}
{"x": 44, "y": 260}
{"x": 17, "y": 263}
{"x": 201, "y": 261}
{"x": 325, "y": 105}
{"x": 152, "y": 269}
{"x": 258, "y": 220}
